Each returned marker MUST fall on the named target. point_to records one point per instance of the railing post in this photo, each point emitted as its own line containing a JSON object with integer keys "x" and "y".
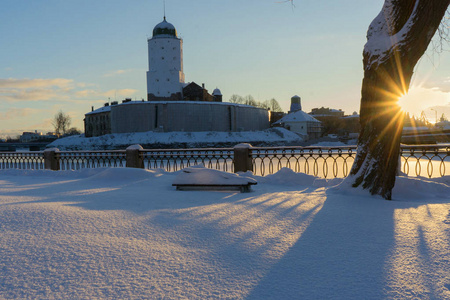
{"x": 133, "y": 158}
{"x": 50, "y": 160}
{"x": 243, "y": 158}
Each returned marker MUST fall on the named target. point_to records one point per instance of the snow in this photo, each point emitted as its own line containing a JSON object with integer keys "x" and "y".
{"x": 123, "y": 140}
{"x": 119, "y": 233}
{"x": 102, "y": 109}
{"x": 298, "y": 116}
{"x": 199, "y": 175}
{"x": 380, "y": 38}
{"x": 135, "y": 147}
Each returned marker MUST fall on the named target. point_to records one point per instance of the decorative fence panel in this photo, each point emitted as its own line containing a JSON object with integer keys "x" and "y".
{"x": 75, "y": 160}
{"x": 176, "y": 159}
{"x": 426, "y": 160}
{"x": 22, "y": 160}
{"x": 326, "y": 162}
{"x": 323, "y": 162}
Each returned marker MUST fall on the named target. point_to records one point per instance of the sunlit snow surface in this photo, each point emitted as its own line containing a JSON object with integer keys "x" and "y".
{"x": 128, "y": 234}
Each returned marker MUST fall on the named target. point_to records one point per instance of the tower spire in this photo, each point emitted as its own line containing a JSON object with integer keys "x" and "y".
{"x": 164, "y": 10}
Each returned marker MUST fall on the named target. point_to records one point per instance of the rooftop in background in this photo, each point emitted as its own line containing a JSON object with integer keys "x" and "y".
{"x": 298, "y": 116}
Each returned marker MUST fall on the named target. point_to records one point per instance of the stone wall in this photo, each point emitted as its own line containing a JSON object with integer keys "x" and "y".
{"x": 186, "y": 116}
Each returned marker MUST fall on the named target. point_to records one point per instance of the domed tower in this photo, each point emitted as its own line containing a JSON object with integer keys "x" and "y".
{"x": 295, "y": 104}
{"x": 217, "y": 94}
{"x": 165, "y": 77}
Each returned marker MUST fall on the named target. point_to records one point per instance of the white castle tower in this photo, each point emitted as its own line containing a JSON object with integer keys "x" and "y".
{"x": 165, "y": 77}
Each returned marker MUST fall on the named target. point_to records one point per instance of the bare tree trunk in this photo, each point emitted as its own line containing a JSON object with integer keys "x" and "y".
{"x": 396, "y": 40}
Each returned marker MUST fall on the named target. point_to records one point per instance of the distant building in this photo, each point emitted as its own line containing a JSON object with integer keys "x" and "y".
{"x": 27, "y": 137}
{"x": 194, "y": 92}
{"x": 300, "y": 122}
{"x": 334, "y": 121}
{"x": 35, "y": 136}
{"x": 326, "y": 112}
{"x": 275, "y": 116}
{"x": 443, "y": 125}
{"x": 98, "y": 122}
{"x": 352, "y": 125}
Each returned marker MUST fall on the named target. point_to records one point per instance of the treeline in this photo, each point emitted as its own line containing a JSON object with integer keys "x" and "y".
{"x": 422, "y": 121}
{"x": 271, "y": 104}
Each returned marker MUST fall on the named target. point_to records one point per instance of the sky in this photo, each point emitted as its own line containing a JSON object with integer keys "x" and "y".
{"x": 72, "y": 55}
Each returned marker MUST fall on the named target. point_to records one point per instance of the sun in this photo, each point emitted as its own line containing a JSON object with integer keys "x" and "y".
{"x": 425, "y": 102}
{"x": 403, "y": 102}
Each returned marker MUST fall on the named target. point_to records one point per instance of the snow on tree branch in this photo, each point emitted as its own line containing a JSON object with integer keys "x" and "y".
{"x": 384, "y": 36}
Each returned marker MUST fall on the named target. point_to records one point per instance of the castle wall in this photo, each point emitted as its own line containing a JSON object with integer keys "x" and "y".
{"x": 186, "y": 116}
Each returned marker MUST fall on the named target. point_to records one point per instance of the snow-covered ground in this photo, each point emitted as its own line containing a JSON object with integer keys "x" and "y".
{"x": 184, "y": 139}
{"x": 128, "y": 234}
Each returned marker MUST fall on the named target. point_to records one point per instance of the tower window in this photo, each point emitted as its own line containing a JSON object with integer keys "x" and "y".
{"x": 162, "y": 58}
{"x": 168, "y": 79}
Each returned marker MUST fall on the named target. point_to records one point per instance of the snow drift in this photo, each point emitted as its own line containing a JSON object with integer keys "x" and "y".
{"x": 128, "y": 234}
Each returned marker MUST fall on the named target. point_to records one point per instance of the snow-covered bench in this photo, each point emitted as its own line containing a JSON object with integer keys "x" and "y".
{"x": 201, "y": 178}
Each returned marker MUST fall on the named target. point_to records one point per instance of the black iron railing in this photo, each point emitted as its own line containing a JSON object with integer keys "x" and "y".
{"x": 426, "y": 160}
{"x": 318, "y": 161}
{"x": 177, "y": 159}
{"x": 325, "y": 162}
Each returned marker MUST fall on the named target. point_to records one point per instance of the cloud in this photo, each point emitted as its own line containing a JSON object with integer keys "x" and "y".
{"x": 14, "y": 90}
{"x": 121, "y": 93}
{"x": 14, "y": 95}
{"x": 15, "y": 113}
{"x": 442, "y": 85}
{"x": 60, "y": 89}
{"x": 117, "y": 72}
{"x": 13, "y": 83}
{"x": 87, "y": 93}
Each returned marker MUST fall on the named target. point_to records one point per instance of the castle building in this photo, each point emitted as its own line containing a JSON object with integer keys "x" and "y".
{"x": 172, "y": 104}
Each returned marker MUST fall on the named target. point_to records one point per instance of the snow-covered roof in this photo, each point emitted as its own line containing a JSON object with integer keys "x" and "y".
{"x": 443, "y": 124}
{"x": 351, "y": 116}
{"x": 298, "y": 116}
{"x": 99, "y": 110}
{"x": 217, "y": 92}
